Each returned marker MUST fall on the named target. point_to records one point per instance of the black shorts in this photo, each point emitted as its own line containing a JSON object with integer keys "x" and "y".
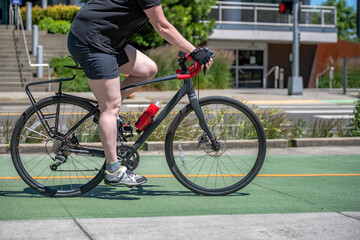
{"x": 96, "y": 64}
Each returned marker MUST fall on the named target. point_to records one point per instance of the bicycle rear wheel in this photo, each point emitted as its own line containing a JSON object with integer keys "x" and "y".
{"x": 203, "y": 170}
{"x": 36, "y": 155}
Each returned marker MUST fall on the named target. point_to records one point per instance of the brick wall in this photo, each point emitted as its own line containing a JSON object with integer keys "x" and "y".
{"x": 328, "y": 54}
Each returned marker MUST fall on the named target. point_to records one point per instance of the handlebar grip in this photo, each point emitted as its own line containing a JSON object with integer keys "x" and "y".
{"x": 188, "y": 57}
{"x": 194, "y": 71}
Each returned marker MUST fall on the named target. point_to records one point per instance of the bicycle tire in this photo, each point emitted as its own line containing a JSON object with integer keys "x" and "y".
{"x": 33, "y": 151}
{"x": 205, "y": 171}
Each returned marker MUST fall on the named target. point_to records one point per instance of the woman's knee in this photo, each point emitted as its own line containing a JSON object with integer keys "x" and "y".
{"x": 111, "y": 107}
{"x": 153, "y": 69}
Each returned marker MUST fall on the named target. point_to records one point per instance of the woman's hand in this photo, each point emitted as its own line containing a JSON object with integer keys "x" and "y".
{"x": 203, "y": 56}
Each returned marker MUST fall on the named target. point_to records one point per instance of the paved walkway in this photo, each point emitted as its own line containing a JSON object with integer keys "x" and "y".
{"x": 256, "y": 96}
{"x": 342, "y": 225}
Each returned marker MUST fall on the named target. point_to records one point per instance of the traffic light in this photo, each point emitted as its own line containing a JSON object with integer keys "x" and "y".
{"x": 286, "y": 7}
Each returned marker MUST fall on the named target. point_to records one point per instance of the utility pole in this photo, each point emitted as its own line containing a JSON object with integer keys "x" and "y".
{"x": 358, "y": 19}
{"x": 295, "y": 82}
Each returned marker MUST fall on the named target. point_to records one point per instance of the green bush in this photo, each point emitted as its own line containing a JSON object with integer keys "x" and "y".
{"x": 60, "y": 27}
{"x": 53, "y": 26}
{"x": 353, "y": 75}
{"x": 79, "y": 84}
{"x": 56, "y": 12}
{"x": 46, "y": 23}
{"x": 355, "y": 123}
{"x": 190, "y": 17}
{"x": 274, "y": 122}
{"x": 62, "y": 12}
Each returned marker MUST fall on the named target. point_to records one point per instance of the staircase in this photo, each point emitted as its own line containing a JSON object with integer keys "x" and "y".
{"x": 15, "y": 71}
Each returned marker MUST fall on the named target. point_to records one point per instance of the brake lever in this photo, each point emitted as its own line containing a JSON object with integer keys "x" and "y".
{"x": 210, "y": 54}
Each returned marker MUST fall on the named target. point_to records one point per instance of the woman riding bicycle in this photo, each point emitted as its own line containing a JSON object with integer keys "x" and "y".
{"x": 98, "y": 41}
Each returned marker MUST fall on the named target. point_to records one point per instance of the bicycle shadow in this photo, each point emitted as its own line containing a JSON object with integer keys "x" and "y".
{"x": 26, "y": 193}
{"x": 117, "y": 193}
{"x": 113, "y": 193}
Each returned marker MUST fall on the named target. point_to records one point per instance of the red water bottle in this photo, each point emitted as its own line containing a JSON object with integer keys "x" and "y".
{"x": 146, "y": 118}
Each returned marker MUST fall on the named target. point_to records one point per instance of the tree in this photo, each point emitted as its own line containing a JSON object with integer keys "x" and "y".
{"x": 346, "y": 19}
{"x": 190, "y": 17}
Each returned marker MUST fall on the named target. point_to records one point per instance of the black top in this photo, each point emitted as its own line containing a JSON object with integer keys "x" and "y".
{"x": 108, "y": 24}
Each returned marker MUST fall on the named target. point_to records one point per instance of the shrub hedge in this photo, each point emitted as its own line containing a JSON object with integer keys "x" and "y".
{"x": 54, "y": 26}
{"x": 56, "y": 12}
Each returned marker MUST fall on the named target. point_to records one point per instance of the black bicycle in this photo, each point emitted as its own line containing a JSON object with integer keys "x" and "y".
{"x": 214, "y": 145}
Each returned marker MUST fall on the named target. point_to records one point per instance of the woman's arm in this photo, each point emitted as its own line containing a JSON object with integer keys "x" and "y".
{"x": 167, "y": 30}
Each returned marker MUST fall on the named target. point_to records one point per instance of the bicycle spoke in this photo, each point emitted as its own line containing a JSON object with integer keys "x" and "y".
{"x": 223, "y": 170}
{"x": 50, "y": 164}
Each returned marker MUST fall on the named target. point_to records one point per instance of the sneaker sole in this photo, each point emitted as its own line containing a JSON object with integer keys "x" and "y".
{"x": 108, "y": 183}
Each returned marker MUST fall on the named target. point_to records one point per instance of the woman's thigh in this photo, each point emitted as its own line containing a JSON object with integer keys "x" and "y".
{"x": 139, "y": 65}
{"x": 107, "y": 92}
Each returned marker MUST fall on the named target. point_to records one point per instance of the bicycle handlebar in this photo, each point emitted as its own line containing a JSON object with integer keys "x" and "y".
{"x": 193, "y": 69}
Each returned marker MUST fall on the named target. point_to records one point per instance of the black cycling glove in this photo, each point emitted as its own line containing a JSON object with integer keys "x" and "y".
{"x": 200, "y": 55}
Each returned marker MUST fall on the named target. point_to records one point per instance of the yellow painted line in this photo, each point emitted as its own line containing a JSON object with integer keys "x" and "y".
{"x": 46, "y": 177}
{"x": 294, "y": 101}
{"x": 10, "y": 114}
{"x": 17, "y": 114}
{"x": 311, "y": 175}
{"x": 211, "y": 175}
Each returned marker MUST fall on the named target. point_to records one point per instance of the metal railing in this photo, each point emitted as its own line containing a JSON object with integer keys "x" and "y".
{"x": 268, "y": 15}
{"x": 27, "y": 49}
{"x": 331, "y": 76}
{"x": 276, "y": 71}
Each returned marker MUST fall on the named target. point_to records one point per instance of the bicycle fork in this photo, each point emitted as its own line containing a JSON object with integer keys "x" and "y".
{"x": 194, "y": 102}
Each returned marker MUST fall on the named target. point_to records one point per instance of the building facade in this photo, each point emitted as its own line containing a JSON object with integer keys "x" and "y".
{"x": 261, "y": 39}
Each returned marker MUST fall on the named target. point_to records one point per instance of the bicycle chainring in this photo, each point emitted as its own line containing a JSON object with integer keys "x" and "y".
{"x": 128, "y": 156}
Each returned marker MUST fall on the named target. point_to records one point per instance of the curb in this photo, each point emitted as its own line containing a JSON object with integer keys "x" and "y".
{"x": 271, "y": 143}
{"x": 320, "y": 142}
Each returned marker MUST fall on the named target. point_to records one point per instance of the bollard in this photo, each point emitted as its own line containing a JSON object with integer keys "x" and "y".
{"x": 16, "y": 10}
{"x": 39, "y": 61}
{"x": 44, "y": 4}
{"x": 331, "y": 76}
{"x": 276, "y": 76}
{"x": 35, "y": 39}
{"x": 28, "y": 16}
{"x": 281, "y": 78}
{"x": 344, "y": 75}
{"x": 11, "y": 16}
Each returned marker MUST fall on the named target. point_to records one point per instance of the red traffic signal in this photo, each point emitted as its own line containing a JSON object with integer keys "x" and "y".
{"x": 286, "y": 7}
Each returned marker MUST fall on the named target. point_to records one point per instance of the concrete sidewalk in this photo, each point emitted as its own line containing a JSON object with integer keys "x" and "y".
{"x": 336, "y": 225}
{"x": 251, "y": 95}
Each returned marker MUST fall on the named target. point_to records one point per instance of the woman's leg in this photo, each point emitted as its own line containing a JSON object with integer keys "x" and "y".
{"x": 107, "y": 93}
{"x": 140, "y": 68}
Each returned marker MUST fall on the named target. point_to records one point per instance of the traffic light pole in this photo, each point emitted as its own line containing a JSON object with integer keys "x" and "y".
{"x": 358, "y": 19}
{"x": 295, "y": 82}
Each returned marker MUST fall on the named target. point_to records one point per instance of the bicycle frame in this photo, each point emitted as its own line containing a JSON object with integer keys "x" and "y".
{"x": 186, "y": 89}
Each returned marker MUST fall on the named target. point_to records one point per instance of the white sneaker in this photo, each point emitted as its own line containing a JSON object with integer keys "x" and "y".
{"x": 123, "y": 176}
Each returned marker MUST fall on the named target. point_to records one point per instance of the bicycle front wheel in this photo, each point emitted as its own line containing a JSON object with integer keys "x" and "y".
{"x": 199, "y": 167}
{"x": 43, "y": 161}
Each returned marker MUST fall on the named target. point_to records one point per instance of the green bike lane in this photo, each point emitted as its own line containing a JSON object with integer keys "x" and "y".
{"x": 286, "y": 184}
